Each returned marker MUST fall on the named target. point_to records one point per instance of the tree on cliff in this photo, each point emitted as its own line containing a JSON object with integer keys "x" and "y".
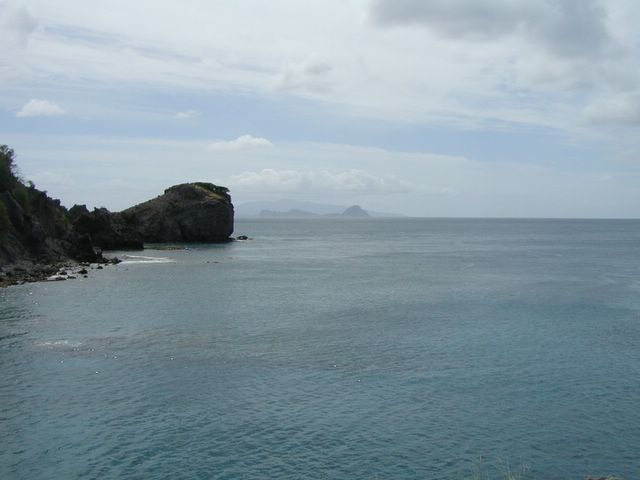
{"x": 8, "y": 177}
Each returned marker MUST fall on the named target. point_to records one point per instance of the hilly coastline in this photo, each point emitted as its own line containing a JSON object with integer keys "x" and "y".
{"x": 37, "y": 233}
{"x": 355, "y": 211}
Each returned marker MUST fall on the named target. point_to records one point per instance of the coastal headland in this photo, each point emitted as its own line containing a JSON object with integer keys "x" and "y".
{"x": 38, "y": 235}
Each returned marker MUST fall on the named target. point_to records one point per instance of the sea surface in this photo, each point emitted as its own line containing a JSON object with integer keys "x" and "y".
{"x": 334, "y": 349}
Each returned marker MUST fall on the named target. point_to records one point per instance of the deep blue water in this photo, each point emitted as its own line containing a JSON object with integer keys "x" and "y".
{"x": 391, "y": 349}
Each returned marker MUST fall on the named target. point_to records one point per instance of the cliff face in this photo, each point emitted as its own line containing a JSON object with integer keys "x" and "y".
{"x": 190, "y": 212}
{"x": 108, "y": 231}
{"x": 37, "y": 229}
{"x": 34, "y": 227}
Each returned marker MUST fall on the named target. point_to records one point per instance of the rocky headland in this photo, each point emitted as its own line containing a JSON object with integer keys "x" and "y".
{"x": 39, "y": 236}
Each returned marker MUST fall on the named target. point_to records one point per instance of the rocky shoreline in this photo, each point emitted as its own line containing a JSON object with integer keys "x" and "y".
{"x": 39, "y": 236}
{"x": 26, "y": 272}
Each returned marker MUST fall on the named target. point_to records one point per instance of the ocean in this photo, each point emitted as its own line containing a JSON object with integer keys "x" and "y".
{"x": 334, "y": 349}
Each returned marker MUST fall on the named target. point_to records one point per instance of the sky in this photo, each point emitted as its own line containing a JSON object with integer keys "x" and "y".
{"x": 454, "y": 108}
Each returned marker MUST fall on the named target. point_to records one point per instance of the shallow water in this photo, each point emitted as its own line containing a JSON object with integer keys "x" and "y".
{"x": 404, "y": 349}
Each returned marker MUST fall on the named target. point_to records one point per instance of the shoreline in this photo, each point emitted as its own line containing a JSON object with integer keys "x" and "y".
{"x": 31, "y": 272}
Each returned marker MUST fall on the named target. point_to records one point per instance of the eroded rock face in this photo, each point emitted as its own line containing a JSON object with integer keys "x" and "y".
{"x": 39, "y": 231}
{"x": 189, "y": 212}
{"x": 108, "y": 231}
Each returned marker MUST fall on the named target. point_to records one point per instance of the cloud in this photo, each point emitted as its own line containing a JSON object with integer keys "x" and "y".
{"x": 566, "y": 28}
{"x": 40, "y": 108}
{"x": 621, "y": 109}
{"x": 292, "y": 181}
{"x": 16, "y": 27}
{"x": 243, "y": 142}
{"x": 16, "y": 24}
{"x": 187, "y": 114}
{"x": 310, "y": 76}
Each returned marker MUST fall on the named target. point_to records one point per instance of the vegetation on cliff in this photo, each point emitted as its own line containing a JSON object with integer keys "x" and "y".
{"x": 189, "y": 212}
{"x": 33, "y": 227}
{"x": 39, "y": 230}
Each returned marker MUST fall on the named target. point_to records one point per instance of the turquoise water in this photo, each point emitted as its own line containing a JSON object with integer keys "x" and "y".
{"x": 399, "y": 349}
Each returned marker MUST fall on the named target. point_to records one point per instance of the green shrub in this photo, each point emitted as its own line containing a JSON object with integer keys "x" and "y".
{"x": 218, "y": 190}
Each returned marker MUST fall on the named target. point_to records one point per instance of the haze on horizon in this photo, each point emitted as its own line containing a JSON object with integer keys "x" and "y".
{"x": 421, "y": 107}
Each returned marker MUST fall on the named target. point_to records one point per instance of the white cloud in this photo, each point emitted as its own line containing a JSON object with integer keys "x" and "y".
{"x": 292, "y": 181}
{"x": 511, "y": 60}
{"x": 451, "y": 63}
{"x": 187, "y": 114}
{"x": 310, "y": 76}
{"x": 16, "y": 24}
{"x": 40, "y": 108}
{"x": 621, "y": 109}
{"x": 16, "y": 27}
{"x": 566, "y": 28}
{"x": 243, "y": 142}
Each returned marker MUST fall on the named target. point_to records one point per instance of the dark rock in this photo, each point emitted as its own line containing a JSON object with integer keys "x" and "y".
{"x": 109, "y": 231}
{"x": 83, "y": 271}
{"x": 190, "y": 212}
{"x": 37, "y": 232}
{"x": 242, "y": 237}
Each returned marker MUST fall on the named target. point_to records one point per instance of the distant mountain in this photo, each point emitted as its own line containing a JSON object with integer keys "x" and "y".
{"x": 295, "y": 209}
{"x": 252, "y": 209}
{"x": 355, "y": 211}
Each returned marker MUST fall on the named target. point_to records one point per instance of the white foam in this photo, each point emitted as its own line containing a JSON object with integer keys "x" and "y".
{"x": 58, "y": 343}
{"x": 129, "y": 259}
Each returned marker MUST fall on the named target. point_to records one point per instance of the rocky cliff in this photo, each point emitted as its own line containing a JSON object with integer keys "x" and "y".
{"x": 35, "y": 229}
{"x": 190, "y": 212}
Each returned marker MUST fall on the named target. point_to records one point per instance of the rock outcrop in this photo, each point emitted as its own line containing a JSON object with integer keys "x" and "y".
{"x": 36, "y": 231}
{"x": 39, "y": 230}
{"x": 190, "y": 212}
{"x": 108, "y": 231}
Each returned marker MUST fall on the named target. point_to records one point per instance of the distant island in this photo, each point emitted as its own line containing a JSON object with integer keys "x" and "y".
{"x": 37, "y": 232}
{"x": 298, "y": 209}
{"x": 355, "y": 211}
